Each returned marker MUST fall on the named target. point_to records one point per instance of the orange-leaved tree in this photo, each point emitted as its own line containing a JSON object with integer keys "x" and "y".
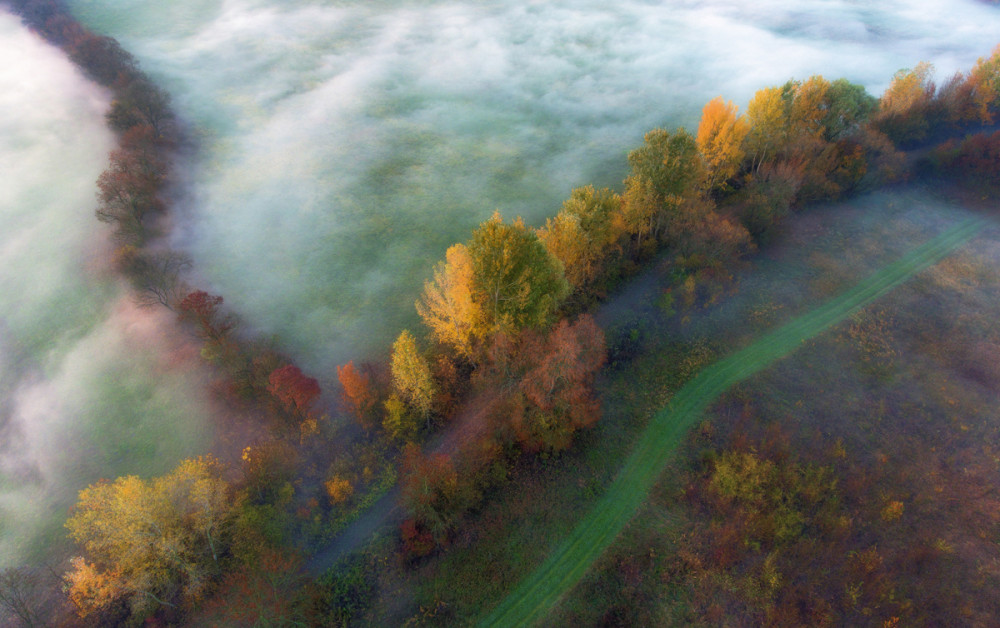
{"x": 985, "y": 82}
{"x": 449, "y": 307}
{"x": 433, "y": 491}
{"x": 359, "y": 393}
{"x": 721, "y": 132}
{"x": 905, "y": 109}
{"x": 293, "y": 389}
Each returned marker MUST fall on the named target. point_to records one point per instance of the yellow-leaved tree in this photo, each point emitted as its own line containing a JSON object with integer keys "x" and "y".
{"x": 448, "y": 306}
{"x": 148, "y": 543}
{"x": 411, "y": 375}
{"x": 583, "y": 235}
{"x": 517, "y": 283}
{"x": 720, "y": 139}
{"x": 768, "y": 130}
{"x": 904, "y": 108}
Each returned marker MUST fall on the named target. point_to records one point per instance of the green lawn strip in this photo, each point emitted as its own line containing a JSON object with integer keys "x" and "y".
{"x": 536, "y": 594}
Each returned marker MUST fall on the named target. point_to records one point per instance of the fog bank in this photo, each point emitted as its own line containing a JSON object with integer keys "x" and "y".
{"x": 344, "y": 145}
{"x": 88, "y": 386}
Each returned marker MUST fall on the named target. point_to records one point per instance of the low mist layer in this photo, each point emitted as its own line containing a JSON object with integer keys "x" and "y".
{"x": 344, "y": 146}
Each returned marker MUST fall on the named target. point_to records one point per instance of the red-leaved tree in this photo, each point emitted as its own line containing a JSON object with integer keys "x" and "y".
{"x": 293, "y": 389}
{"x": 558, "y": 389}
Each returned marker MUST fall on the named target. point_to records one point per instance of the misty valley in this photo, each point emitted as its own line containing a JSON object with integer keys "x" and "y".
{"x": 390, "y": 314}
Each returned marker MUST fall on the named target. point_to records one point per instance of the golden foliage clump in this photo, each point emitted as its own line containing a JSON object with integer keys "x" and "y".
{"x": 720, "y": 139}
{"x": 149, "y": 543}
{"x": 339, "y": 489}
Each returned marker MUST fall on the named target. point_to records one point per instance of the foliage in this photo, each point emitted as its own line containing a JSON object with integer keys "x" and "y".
{"x": 155, "y": 276}
{"x": 127, "y": 191}
{"x": 449, "y": 306}
{"x": 984, "y": 81}
{"x": 720, "y": 139}
{"x": 358, "y": 393}
{"x": 768, "y": 129}
{"x": 517, "y": 283}
{"x": 342, "y": 594}
{"x": 557, "y": 389}
{"x": 399, "y": 423}
{"x": 848, "y": 107}
{"x": 293, "y": 389}
{"x": 149, "y": 543}
{"x": 204, "y": 311}
{"x": 662, "y": 173}
{"x": 584, "y": 235}
{"x": 411, "y": 375}
{"x": 266, "y": 467}
{"x": 265, "y": 592}
{"x": 904, "y": 111}
{"x": 975, "y": 161}
{"x": 339, "y": 489}
{"x": 767, "y": 198}
{"x": 433, "y": 493}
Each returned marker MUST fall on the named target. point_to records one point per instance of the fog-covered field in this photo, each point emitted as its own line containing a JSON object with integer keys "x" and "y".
{"x": 344, "y": 145}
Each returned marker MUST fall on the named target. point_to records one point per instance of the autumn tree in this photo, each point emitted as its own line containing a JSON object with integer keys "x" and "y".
{"x": 517, "y": 283}
{"x": 262, "y": 593}
{"x": 449, "y": 306}
{"x": 400, "y": 423}
{"x": 265, "y": 468}
{"x": 103, "y": 59}
{"x": 768, "y": 128}
{"x": 149, "y": 544}
{"x": 204, "y": 311}
{"x": 433, "y": 492}
{"x": 904, "y": 110}
{"x": 665, "y": 168}
{"x": 767, "y": 198}
{"x": 721, "y": 132}
{"x": 411, "y": 375}
{"x": 558, "y": 388}
{"x": 293, "y": 389}
{"x": 583, "y": 235}
{"x": 816, "y": 133}
{"x": 704, "y": 238}
{"x": 140, "y": 102}
{"x": 806, "y": 103}
{"x": 358, "y": 393}
{"x": 984, "y": 81}
{"x": 127, "y": 191}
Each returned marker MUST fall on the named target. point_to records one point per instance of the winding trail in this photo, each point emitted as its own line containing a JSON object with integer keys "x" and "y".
{"x": 538, "y": 592}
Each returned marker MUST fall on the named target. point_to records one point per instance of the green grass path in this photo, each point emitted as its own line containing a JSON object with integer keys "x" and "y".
{"x": 536, "y": 594}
